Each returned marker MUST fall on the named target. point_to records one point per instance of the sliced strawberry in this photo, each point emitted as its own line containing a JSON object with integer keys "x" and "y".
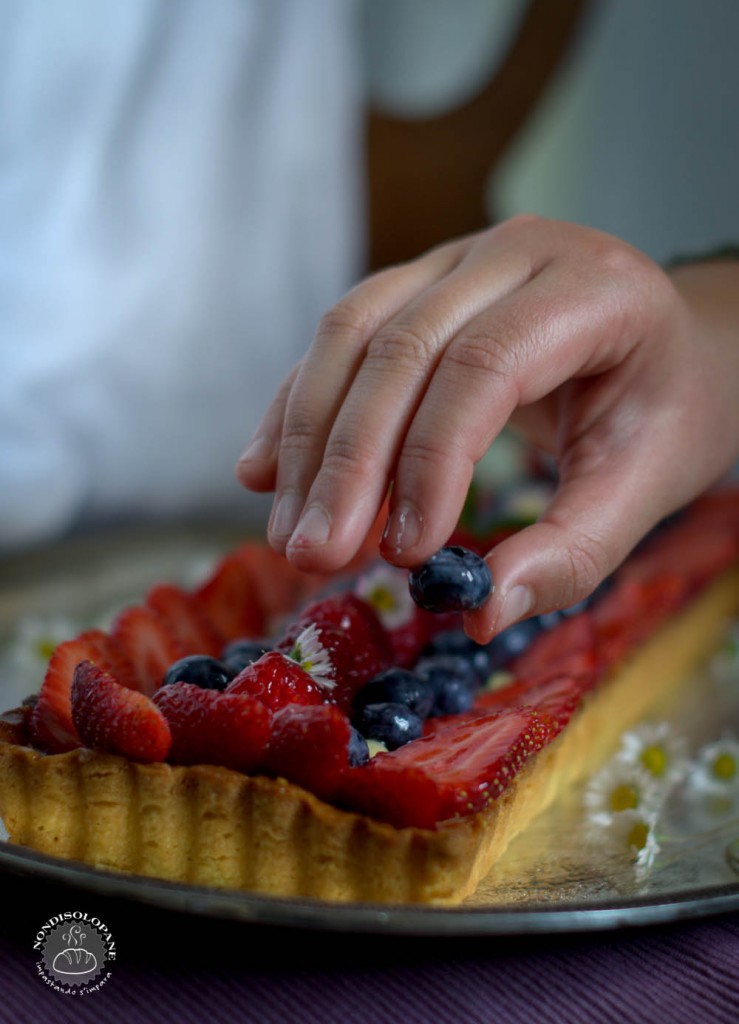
{"x": 631, "y": 612}
{"x": 557, "y": 697}
{"x": 276, "y": 681}
{"x": 351, "y": 636}
{"x": 280, "y": 586}
{"x": 693, "y": 551}
{"x": 209, "y": 727}
{"x": 310, "y": 746}
{"x": 568, "y": 650}
{"x": 186, "y": 620}
{"x": 457, "y": 771}
{"x": 351, "y": 614}
{"x": 411, "y": 637}
{"x": 149, "y": 643}
{"x": 230, "y": 599}
{"x": 52, "y": 728}
{"x": 114, "y": 718}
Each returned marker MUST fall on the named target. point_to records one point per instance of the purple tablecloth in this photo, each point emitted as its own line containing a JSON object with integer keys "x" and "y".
{"x": 172, "y": 968}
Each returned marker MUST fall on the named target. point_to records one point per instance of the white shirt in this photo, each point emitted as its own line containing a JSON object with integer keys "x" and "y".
{"x": 179, "y": 203}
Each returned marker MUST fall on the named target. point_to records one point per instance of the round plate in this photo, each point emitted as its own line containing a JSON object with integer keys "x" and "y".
{"x": 552, "y": 877}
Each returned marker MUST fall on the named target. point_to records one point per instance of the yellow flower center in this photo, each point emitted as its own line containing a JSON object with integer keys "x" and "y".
{"x": 383, "y": 599}
{"x": 654, "y": 760}
{"x": 638, "y": 835}
{"x": 724, "y": 767}
{"x": 624, "y": 797}
{"x": 45, "y": 648}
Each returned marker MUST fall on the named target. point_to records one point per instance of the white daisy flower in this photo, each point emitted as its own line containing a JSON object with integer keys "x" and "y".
{"x": 724, "y": 665}
{"x": 717, "y": 767}
{"x": 527, "y": 501}
{"x": 629, "y": 833}
{"x": 28, "y": 653}
{"x": 658, "y": 750}
{"x": 621, "y": 786}
{"x": 313, "y": 658}
{"x": 386, "y": 589}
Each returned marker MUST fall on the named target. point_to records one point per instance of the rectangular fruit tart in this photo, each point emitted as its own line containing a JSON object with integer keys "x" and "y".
{"x": 250, "y": 734}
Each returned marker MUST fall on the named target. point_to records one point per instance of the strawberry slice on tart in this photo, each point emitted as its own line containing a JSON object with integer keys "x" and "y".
{"x": 116, "y": 719}
{"x": 211, "y": 727}
{"x": 455, "y": 771}
{"x": 51, "y": 723}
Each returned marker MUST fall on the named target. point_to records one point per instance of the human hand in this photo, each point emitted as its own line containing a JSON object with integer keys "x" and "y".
{"x": 628, "y": 378}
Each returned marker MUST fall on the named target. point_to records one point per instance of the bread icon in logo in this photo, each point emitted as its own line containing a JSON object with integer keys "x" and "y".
{"x": 75, "y": 959}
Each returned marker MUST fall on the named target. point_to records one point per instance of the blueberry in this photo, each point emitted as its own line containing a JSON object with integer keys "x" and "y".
{"x": 202, "y": 671}
{"x": 456, "y": 641}
{"x": 240, "y": 653}
{"x": 453, "y": 580}
{"x": 510, "y": 643}
{"x": 358, "y": 749}
{"x": 454, "y": 682}
{"x": 397, "y": 686}
{"x": 391, "y": 724}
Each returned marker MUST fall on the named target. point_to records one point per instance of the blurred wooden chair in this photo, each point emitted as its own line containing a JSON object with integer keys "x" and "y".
{"x": 427, "y": 178}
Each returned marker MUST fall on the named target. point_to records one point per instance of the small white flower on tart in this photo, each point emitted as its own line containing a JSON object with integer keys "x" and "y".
{"x": 386, "y": 589}
{"x": 658, "y": 750}
{"x": 313, "y": 658}
{"x": 621, "y": 786}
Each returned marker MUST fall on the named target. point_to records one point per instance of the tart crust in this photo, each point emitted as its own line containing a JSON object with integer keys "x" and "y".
{"x": 213, "y": 826}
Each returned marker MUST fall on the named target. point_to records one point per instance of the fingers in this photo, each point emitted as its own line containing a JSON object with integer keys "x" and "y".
{"x": 353, "y": 472}
{"x": 326, "y": 375}
{"x": 603, "y": 506}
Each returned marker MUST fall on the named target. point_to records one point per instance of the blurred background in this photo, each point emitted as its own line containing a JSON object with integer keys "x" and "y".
{"x": 187, "y": 185}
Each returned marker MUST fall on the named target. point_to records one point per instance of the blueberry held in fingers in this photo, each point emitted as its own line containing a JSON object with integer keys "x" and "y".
{"x": 452, "y": 580}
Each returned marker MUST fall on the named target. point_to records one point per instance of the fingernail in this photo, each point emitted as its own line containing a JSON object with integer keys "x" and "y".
{"x": 260, "y": 449}
{"x": 517, "y": 603}
{"x": 403, "y": 529}
{"x": 285, "y": 514}
{"x": 313, "y": 529}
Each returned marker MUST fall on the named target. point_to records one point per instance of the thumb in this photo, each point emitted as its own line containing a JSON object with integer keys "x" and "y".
{"x": 592, "y": 523}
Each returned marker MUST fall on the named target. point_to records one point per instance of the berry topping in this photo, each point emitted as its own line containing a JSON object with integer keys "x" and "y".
{"x": 454, "y": 579}
{"x": 391, "y": 724}
{"x": 359, "y": 751}
{"x": 570, "y": 650}
{"x": 453, "y": 681}
{"x": 149, "y": 643}
{"x": 311, "y": 747}
{"x": 199, "y": 669}
{"x": 185, "y": 619}
{"x": 354, "y": 645}
{"x": 456, "y": 641}
{"x": 397, "y": 686}
{"x": 509, "y": 644}
{"x": 456, "y": 771}
{"x": 276, "y": 681}
{"x": 209, "y": 727}
{"x": 52, "y": 728}
{"x": 242, "y": 652}
{"x": 229, "y": 599}
{"x": 111, "y": 717}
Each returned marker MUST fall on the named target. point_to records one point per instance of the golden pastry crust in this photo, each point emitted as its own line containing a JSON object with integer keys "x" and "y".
{"x": 212, "y": 826}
